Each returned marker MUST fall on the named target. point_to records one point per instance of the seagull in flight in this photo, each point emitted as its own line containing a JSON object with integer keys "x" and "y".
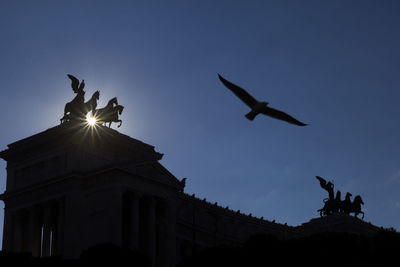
{"x": 258, "y": 107}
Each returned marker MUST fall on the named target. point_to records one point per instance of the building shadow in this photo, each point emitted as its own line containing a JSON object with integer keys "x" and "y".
{"x": 322, "y": 249}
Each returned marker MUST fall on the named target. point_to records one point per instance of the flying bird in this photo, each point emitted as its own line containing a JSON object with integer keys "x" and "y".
{"x": 76, "y": 87}
{"x": 258, "y": 107}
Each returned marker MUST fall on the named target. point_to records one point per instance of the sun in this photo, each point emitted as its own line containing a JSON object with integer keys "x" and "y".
{"x": 90, "y": 119}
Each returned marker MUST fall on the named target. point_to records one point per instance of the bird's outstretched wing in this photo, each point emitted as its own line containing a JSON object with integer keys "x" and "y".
{"x": 274, "y": 113}
{"x": 74, "y": 83}
{"x": 239, "y": 92}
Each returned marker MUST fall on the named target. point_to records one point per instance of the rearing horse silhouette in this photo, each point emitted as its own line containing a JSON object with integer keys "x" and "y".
{"x": 113, "y": 116}
{"x": 91, "y": 105}
{"x": 356, "y": 206}
{"x": 102, "y": 113}
{"x": 346, "y": 204}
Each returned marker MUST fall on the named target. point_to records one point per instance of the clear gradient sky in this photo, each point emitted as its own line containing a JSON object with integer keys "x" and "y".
{"x": 333, "y": 64}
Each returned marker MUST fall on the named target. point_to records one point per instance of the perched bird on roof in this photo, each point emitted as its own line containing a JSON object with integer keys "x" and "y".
{"x": 258, "y": 107}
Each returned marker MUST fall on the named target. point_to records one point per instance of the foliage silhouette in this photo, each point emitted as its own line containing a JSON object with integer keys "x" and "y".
{"x": 113, "y": 255}
{"x": 325, "y": 249}
{"x": 102, "y": 254}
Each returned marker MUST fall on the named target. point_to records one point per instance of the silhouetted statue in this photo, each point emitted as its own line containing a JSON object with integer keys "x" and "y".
{"x": 333, "y": 205}
{"x": 328, "y": 186}
{"x": 109, "y": 113}
{"x": 76, "y": 108}
{"x": 258, "y": 107}
{"x": 99, "y": 113}
{"x": 338, "y": 200}
{"x": 183, "y": 183}
{"x": 328, "y": 208}
{"x": 356, "y": 206}
{"x": 346, "y": 204}
{"x": 113, "y": 116}
{"x": 91, "y": 105}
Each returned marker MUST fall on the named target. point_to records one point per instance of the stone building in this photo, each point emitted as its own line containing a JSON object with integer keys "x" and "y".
{"x": 72, "y": 187}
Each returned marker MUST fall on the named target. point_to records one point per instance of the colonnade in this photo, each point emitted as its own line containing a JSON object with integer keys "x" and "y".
{"x": 149, "y": 226}
{"x": 36, "y": 229}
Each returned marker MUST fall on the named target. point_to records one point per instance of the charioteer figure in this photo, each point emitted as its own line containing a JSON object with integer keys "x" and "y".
{"x": 335, "y": 204}
{"x": 77, "y": 109}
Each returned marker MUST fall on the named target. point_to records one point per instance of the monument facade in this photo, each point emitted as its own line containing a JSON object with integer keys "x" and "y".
{"x": 77, "y": 185}
{"x": 71, "y": 187}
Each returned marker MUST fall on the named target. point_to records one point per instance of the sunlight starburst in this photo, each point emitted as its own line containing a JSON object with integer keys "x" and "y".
{"x": 91, "y": 120}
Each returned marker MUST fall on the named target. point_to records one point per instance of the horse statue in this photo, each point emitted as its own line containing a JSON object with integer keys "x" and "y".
{"x": 74, "y": 109}
{"x": 91, "y": 105}
{"x": 346, "y": 204}
{"x": 328, "y": 208}
{"x": 113, "y": 116}
{"x": 356, "y": 206}
{"x": 101, "y": 113}
{"x": 338, "y": 202}
{"x": 77, "y": 109}
{"x": 331, "y": 206}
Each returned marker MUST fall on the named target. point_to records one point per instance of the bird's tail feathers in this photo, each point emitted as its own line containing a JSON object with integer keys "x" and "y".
{"x": 251, "y": 115}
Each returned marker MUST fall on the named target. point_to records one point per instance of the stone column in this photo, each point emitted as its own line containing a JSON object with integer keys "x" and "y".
{"x": 73, "y": 229}
{"x": 134, "y": 220}
{"x": 53, "y": 239}
{"x": 114, "y": 211}
{"x": 8, "y": 230}
{"x": 34, "y": 231}
{"x": 46, "y": 231}
{"x": 171, "y": 246}
{"x": 179, "y": 256}
{"x": 17, "y": 236}
{"x": 59, "y": 229}
{"x": 151, "y": 233}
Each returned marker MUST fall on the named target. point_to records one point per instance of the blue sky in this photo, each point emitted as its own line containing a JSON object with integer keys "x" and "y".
{"x": 333, "y": 64}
